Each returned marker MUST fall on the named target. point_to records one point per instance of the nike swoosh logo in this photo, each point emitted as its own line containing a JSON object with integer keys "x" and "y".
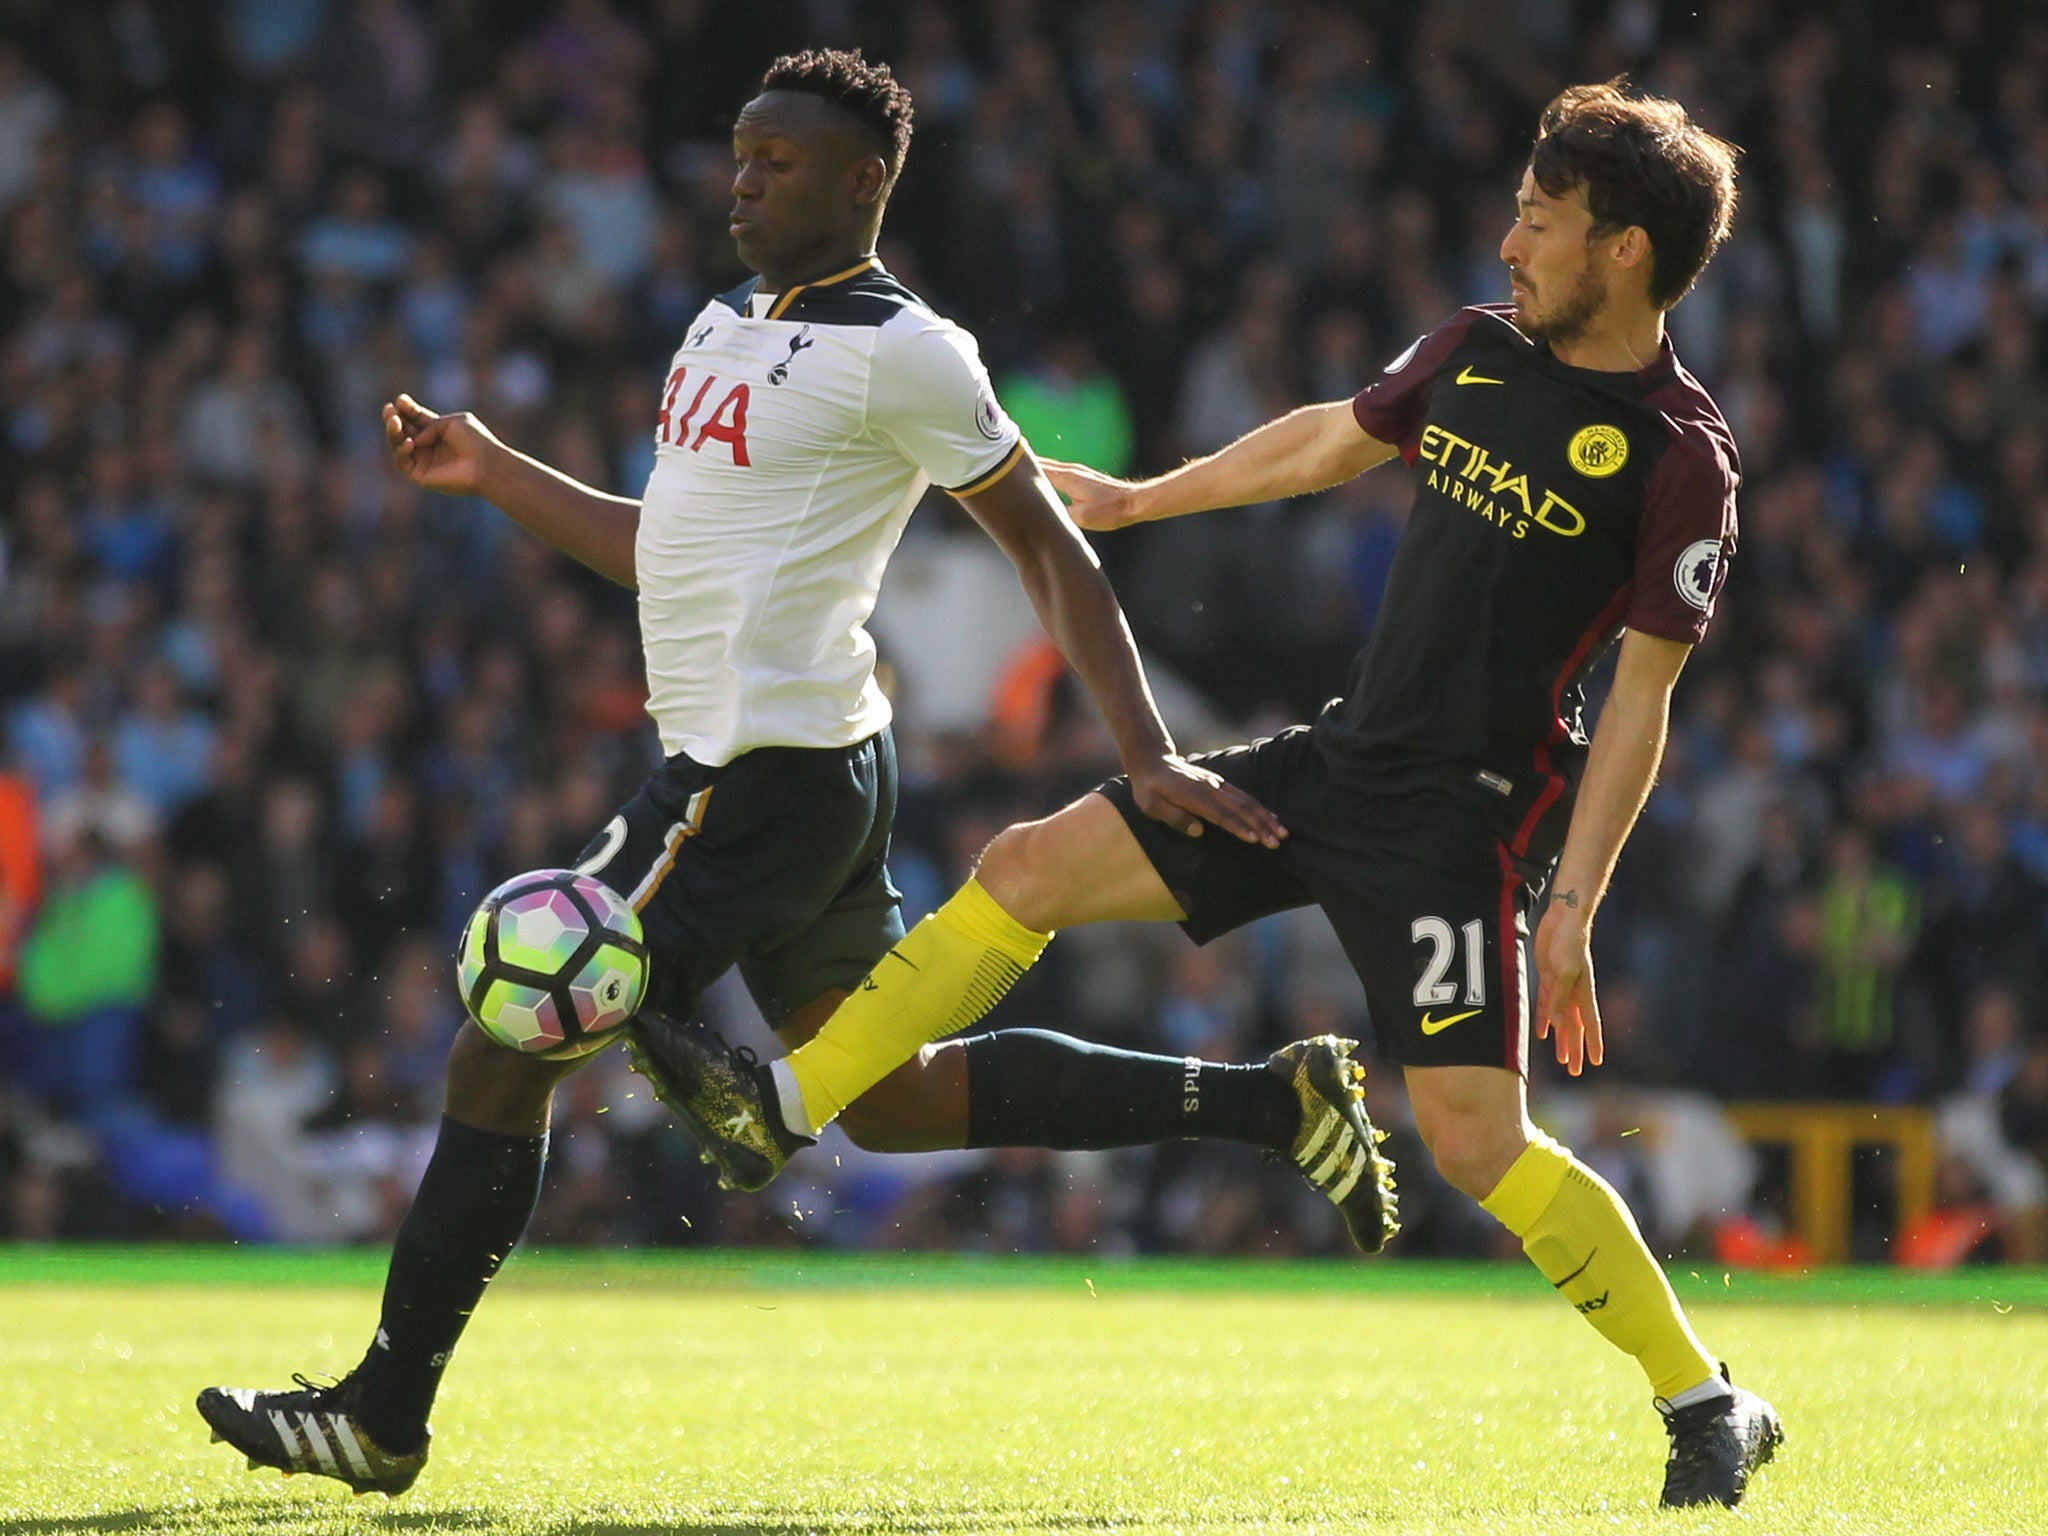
{"x": 1568, "y": 1279}
{"x": 1467, "y": 376}
{"x": 1436, "y": 1026}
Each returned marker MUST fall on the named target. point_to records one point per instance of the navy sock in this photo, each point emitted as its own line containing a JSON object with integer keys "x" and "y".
{"x": 475, "y": 1200}
{"x": 1033, "y": 1088}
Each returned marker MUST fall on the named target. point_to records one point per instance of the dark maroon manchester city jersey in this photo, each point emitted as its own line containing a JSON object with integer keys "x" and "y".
{"x": 1556, "y": 506}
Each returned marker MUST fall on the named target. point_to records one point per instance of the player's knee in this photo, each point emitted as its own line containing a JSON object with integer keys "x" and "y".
{"x": 873, "y": 1129}
{"x": 1472, "y": 1152}
{"x": 1015, "y": 871}
{"x": 496, "y": 1088}
{"x": 920, "y": 1107}
{"x": 889, "y": 1127}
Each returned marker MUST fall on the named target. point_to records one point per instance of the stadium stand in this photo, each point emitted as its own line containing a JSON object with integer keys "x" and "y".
{"x": 273, "y": 722}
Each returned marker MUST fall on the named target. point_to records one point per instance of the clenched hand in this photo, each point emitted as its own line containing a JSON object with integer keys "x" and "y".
{"x": 438, "y": 453}
{"x": 1095, "y": 501}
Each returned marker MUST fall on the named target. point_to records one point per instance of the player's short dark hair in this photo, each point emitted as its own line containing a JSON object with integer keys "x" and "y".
{"x": 1642, "y": 161}
{"x": 865, "y": 92}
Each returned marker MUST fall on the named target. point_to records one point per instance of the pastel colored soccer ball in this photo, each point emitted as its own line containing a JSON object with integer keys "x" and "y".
{"x": 552, "y": 963}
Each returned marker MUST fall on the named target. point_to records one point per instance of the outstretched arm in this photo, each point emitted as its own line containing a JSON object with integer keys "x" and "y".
{"x": 1307, "y": 450}
{"x": 459, "y": 456}
{"x": 1081, "y": 614}
{"x": 1628, "y": 743}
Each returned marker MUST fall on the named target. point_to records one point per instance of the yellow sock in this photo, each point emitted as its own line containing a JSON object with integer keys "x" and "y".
{"x": 1576, "y": 1229}
{"x": 948, "y": 971}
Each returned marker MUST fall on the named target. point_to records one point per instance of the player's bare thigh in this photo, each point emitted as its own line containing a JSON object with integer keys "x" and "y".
{"x": 1079, "y": 865}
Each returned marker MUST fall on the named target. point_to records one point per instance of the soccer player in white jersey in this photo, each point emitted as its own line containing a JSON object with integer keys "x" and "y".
{"x": 803, "y": 417}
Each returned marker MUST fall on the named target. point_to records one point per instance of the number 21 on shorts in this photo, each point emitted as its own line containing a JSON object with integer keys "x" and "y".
{"x": 1433, "y": 987}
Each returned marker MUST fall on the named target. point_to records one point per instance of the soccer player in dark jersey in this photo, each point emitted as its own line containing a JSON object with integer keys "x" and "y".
{"x": 1450, "y": 814}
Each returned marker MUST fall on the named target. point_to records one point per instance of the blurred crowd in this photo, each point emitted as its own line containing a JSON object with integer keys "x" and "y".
{"x": 273, "y": 720}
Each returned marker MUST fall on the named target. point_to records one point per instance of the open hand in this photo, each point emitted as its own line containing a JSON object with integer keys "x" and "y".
{"x": 1185, "y": 796}
{"x": 1565, "y": 1005}
{"x": 439, "y": 453}
{"x": 1096, "y": 501}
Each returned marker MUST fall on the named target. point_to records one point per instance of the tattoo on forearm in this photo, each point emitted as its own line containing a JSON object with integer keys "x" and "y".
{"x": 1569, "y": 898}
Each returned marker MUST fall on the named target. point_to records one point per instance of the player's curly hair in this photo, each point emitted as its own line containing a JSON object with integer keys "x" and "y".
{"x": 866, "y": 92}
{"x": 1644, "y": 162}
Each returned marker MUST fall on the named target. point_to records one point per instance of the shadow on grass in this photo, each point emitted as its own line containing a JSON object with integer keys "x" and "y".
{"x": 250, "y": 1515}
{"x": 255, "y": 1518}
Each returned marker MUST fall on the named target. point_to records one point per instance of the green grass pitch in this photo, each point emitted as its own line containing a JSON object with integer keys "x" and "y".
{"x": 778, "y": 1395}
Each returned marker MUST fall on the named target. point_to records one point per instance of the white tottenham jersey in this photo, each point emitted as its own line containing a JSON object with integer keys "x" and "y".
{"x": 797, "y": 432}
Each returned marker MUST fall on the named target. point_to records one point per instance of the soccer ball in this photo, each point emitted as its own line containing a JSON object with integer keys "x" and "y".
{"x": 552, "y": 964}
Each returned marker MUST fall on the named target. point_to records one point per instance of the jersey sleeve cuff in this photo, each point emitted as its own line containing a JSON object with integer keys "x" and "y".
{"x": 1686, "y": 631}
{"x": 980, "y": 483}
{"x": 1375, "y": 426}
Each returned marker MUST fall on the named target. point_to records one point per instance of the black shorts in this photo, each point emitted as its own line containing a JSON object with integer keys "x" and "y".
{"x": 775, "y": 862}
{"x": 1433, "y": 911}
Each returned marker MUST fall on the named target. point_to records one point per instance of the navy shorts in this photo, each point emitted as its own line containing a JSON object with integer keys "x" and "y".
{"x": 1433, "y": 911}
{"x": 775, "y": 862}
